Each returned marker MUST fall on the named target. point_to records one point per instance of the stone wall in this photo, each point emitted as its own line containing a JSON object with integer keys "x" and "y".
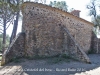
{"x": 72, "y": 48}
{"x": 15, "y": 50}
{"x": 48, "y": 31}
{"x": 95, "y": 44}
{"x": 44, "y": 36}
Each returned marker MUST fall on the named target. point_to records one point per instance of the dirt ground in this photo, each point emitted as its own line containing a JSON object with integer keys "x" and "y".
{"x": 51, "y": 67}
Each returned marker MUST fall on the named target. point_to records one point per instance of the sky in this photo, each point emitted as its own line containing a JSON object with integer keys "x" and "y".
{"x": 76, "y": 4}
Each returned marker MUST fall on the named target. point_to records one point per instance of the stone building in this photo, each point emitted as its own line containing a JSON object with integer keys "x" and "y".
{"x": 76, "y": 13}
{"x": 48, "y": 31}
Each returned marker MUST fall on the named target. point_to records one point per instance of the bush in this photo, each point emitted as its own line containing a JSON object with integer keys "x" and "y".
{"x": 91, "y": 52}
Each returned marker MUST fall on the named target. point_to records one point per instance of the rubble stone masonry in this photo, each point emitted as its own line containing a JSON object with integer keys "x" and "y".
{"x": 15, "y": 50}
{"x": 50, "y": 31}
{"x": 42, "y": 25}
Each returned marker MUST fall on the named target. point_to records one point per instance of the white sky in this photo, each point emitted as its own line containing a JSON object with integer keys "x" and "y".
{"x": 76, "y": 4}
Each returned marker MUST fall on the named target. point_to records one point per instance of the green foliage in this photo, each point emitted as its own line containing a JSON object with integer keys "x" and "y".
{"x": 7, "y": 9}
{"x": 40, "y": 1}
{"x": 61, "y": 5}
{"x": 93, "y": 7}
{"x": 91, "y": 51}
{"x": 59, "y": 59}
{"x": 0, "y": 57}
{"x": 65, "y": 56}
{"x": 7, "y": 41}
{"x": 0, "y": 44}
{"x": 54, "y": 59}
{"x": 37, "y": 57}
{"x": 17, "y": 60}
{"x": 1, "y": 41}
{"x": 71, "y": 9}
{"x": 96, "y": 21}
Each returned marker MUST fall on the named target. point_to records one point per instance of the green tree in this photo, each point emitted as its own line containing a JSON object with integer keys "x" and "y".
{"x": 96, "y": 21}
{"x": 61, "y": 5}
{"x": 17, "y": 16}
{"x": 7, "y": 41}
{"x": 7, "y": 12}
{"x": 15, "y": 26}
{"x": 40, "y": 1}
{"x": 93, "y": 8}
{"x": 0, "y": 44}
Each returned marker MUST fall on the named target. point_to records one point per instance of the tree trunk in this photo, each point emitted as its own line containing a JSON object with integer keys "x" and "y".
{"x": 97, "y": 46}
{"x": 16, "y": 24}
{"x": 4, "y": 36}
{"x": 13, "y": 35}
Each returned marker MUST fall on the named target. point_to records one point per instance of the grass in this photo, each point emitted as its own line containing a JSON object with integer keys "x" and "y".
{"x": 36, "y": 57}
{"x": 16, "y": 60}
{"x": 0, "y": 57}
{"x": 49, "y": 59}
{"x": 59, "y": 59}
{"x": 91, "y": 52}
{"x": 53, "y": 59}
{"x": 0, "y": 60}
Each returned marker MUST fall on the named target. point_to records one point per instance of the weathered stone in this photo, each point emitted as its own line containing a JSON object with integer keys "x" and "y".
{"x": 45, "y": 35}
{"x": 15, "y": 50}
{"x": 45, "y": 23}
{"x": 95, "y": 44}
